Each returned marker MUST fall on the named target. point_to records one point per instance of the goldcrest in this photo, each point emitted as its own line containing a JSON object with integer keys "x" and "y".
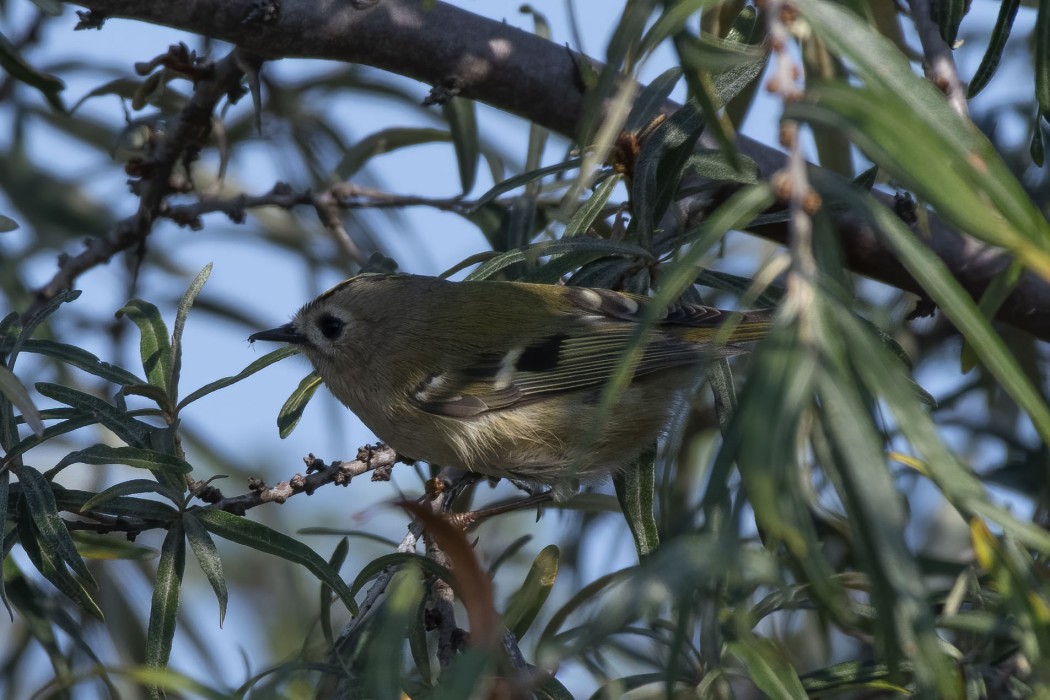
{"x": 506, "y": 378}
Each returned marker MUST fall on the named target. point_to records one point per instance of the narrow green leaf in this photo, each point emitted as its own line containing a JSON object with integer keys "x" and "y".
{"x": 466, "y": 675}
{"x": 949, "y": 15}
{"x": 867, "y": 179}
{"x": 957, "y": 305}
{"x": 525, "y": 603}
{"x": 983, "y": 198}
{"x": 583, "y": 596}
{"x": 856, "y": 674}
{"x": 18, "y": 396}
{"x": 552, "y": 689}
{"x": 164, "y": 609}
{"x": 373, "y": 568}
{"x": 418, "y": 645}
{"x": 716, "y": 165}
{"x": 963, "y": 194}
{"x": 602, "y": 273}
{"x": 658, "y": 168}
{"x": 1042, "y": 57}
{"x": 767, "y": 667}
{"x": 208, "y": 557}
{"x": 383, "y": 681}
{"x": 635, "y": 488}
{"x": 739, "y": 286}
{"x": 258, "y": 536}
{"x": 336, "y": 563}
{"x": 120, "y": 87}
{"x": 154, "y": 346}
{"x": 463, "y": 125}
{"x": 292, "y": 410}
{"x": 48, "y": 562}
{"x": 160, "y": 679}
{"x": 1001, "y": 286}
{"x": 127, "y": 488}
{"x": 611, "y": 78}
{"x": 129, "y": 429}
{"x": 73, "y": 501}
{"x": 263, "y": 362}
{"x": 36, "y": 319}
{"x": 996, "y": 43}
{"x": 108, "y": 548}
{"x": 5, "y": 492}
{"x": 155, "y": 394}
{"x": 958, "y": 483}
{"x": 180, "y": 325}
{"x": 745, "y": 28}
{"x": 81, "y": 359}
{"x": 508, "y": 552}
{"x": 877, "y": 516}
{"x": 773, "y": 403}
{"x": 583, "y": 218}
{"x": 54, "y": 536}
{"x": 651, "y": 99}
{"x": 384, "y": 141}
{"x": 363, "y": 534}
{"x": 49, "y": 85}
{"x": 138, "y": 457}
{"x": 580, "y": 244}
{"x": 7, "y": 224}
{"x": 702, "y": 91}
{"x": 671, "y": 22}
{"x": 523, "y": 179}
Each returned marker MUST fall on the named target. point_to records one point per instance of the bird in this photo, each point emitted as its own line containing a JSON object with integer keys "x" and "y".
{"x": 504, "y": 378}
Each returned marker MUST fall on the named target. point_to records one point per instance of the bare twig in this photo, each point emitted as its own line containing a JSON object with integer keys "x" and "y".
{"x": 369, "y": 458}
{"x": 345, "y": 195}
{"x": 938, "y": 58}
{"x": 180, "y": 144}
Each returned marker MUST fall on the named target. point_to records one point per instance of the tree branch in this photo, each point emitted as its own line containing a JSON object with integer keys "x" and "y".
{"x": 371, "y": 458}
{"x": 940, "y": 63}
{"x": 188, "y": 133}
{"x": 378, "y": 459}
{"x": 538, "y": 80}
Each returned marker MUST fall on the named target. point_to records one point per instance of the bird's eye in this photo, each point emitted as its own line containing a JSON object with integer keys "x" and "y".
{"x": 330, "y": 326}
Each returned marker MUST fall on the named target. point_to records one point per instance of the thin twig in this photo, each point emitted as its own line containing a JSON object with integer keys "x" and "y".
{"x": 372, "y": 458}
{"x": 187, "y": 134}
{"x": 377, "y": 458}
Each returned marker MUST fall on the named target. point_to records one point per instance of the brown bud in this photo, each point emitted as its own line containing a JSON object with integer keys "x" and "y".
{"x": 811, "y": 202}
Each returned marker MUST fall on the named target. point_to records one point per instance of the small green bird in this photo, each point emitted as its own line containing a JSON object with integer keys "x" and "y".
{"x": 506, "y": 378}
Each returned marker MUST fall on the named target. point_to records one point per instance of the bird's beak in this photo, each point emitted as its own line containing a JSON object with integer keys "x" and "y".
{"x": 281, "y": 334}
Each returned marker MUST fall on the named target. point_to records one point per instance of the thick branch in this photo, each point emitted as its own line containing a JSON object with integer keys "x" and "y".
{"x": 536, "y": 79}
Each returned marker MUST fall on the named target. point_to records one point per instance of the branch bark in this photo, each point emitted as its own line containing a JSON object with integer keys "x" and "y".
{"x": 523, "y": 74}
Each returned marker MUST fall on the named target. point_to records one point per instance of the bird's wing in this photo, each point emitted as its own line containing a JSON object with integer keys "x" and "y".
{"x": 585, "y": 351}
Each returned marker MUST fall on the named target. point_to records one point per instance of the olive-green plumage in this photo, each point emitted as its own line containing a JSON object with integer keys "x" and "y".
{"x": 505, "y": 378}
